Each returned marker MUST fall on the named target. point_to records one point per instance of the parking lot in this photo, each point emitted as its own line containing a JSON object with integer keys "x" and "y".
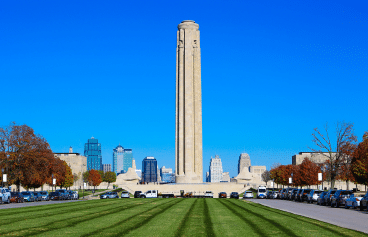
{"x": 348, "y": 218}
{"x": 31, "y": 204}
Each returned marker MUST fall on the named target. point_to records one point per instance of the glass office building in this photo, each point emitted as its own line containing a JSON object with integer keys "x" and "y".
{"x": 92, "y": 150}
{"x": 149, "y": 169}
{"x": 122, "y": 160}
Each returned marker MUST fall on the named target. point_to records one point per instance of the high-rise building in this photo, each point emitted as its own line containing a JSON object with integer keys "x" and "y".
{"x": 106, "y": 167}
{"x": 92, "y": 150}
{"x": 215, "y": 174}
{"x": 149, "y": 169}
{"x": 122, "y": 160}
{"x": 188, "y": 132}
{"x": 244, "y": 161}
{"x": 167, "y": 176}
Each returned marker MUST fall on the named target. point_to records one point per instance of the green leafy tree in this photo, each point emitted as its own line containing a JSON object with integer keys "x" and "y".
{"x": 69, "y": 178}
{"x": 109, "y": 177}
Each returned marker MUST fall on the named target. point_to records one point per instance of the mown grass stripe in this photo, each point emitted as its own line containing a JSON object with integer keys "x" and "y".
{"x": 146, "y": 221}
{"x": 207, "y": 220}
{"x": 274, "y": 223}
{"x": 68, "y": 222}
{"x": 131, "y": 218}
{"x": 184, "y": 222}
{"x": 50, "y": 212}
{"x": 311, "y": 221}
{"x": 251, "y": 223}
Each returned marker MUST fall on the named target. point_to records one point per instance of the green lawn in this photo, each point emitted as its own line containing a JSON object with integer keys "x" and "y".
{"x": 161, "y": 217}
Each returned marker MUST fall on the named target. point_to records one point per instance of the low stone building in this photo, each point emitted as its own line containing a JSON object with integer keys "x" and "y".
{"x": 77, "y": 163}
{"x": 315, "y": 157}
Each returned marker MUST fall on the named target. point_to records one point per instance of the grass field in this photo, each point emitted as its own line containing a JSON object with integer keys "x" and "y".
{"x": 161, "y": 217}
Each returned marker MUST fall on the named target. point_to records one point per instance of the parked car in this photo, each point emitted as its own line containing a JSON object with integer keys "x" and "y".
{"x": 269, "y": 194}
{"x": 328, "y": 196}
{"x": 4, "y": 195}
{"x": 248, "y": 194}
{"x": 16, "y": 197}
{"x": 234, "y": 195}
{"x": 137, "y": 194}
{"x": 313, "y": 195}
{"x": 274, "y": 194}
{"x": 364, "y": 202}
{"x": 125, "y": 194}
{"x": 261, "y": 193}
{"x": 37, "y": 197}
{"x": 353, "y": 201}
{"x": 56, "y": 196}
{"x": 149, "y": 194}
{"x": 282, "y": 192}
{"x": 304, "y": 194}
{"x": 109, "y": 195}
{"x": 208, "y": 194}
{"x": 293, "y": 194}
{"x": 297, "y": 195}
{"x": 64, "y": 194}
{"x": 321, "y": 198}
{"x": 28, "y": 196}
{"x": 44, "y": 195}
{"x": 339, "y": 198}
{"x": 222, "y": 195}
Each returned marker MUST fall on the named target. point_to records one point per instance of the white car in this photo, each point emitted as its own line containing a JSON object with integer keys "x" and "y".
{"x": 261, "y": 192}
{"x": 149, "y": 194}
{"x": 208, "y": 194}
{"x": 248, "y": 194}
{"x": 4, "y": 195}
{"x": 125, "y": 194}
{"x": 353, "y": 202}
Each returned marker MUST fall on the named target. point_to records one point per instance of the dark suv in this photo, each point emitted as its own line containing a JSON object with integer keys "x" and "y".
{"x": 137, "y": 194}
{"x": 304, "y": 194}
{"x": 364, "y": 202}
{"x": 234, "y": 195}
{"x": 339, "y": 198}
{"x": 328, "y": 196}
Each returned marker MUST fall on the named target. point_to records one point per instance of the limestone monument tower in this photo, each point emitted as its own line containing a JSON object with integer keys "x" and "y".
{"x": 188, "y": 133}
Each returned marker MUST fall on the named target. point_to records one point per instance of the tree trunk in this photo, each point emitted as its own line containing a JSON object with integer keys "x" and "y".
{"x": 332, "y": 183}
{"x": 347, "y": 184}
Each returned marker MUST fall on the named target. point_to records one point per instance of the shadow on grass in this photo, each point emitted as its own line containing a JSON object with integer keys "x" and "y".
{"x": 251, "y": 223}
{"x": 207, "y": 220}
{"x": 181, "y": 227}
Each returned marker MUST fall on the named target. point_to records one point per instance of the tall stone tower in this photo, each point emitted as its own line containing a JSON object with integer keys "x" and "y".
{"x": 188, "y": 132}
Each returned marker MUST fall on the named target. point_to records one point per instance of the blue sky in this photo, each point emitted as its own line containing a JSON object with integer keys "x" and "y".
{"x": 271, "y": 72}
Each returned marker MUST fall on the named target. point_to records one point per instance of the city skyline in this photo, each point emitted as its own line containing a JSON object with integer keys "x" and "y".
{"x": 271, "y": 72}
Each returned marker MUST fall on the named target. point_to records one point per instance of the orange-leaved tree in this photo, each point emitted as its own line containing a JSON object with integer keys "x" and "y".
{"x": 359, "y": 162}
{"x": 94, "y": 178}
{"x": 308, "y": 172}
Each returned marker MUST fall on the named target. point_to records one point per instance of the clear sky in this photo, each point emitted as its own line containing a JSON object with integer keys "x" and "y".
{"x": 271, "y": 72}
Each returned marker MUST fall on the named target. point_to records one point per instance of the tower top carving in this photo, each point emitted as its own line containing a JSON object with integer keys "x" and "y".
{"x": 188, "y": 24}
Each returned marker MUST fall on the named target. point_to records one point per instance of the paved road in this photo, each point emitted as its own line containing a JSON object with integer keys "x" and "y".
{"x": 348, "y": 218}
{"x": 31, "y": 204}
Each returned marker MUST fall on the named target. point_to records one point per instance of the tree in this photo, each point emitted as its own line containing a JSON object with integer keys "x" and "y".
{"x": 94, "y": 178}
{"x": 266, "y": 176}
{"x": 336, "y": 155}
{"x": 109, "y": 177}
{"x": 85, "y": 176}
{"x": 69, "y": 178}
{"x": 308, "y": 172}
{"x": 25, "y": 156}
{"x": 75, "y": 177}
{"x": 359, "y": 162}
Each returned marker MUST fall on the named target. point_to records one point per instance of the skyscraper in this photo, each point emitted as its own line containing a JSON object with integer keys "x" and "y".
{"x": 92, "y": 150}
{"x": 122, "y": 160}
{"x": 215, "y": 174}
{"x": 188, "y": 130}
{"x": 244, "y": 161}
{"x": 106, "y": 167}
{"x": 167, "y": 176}
{"x": 149, "y": 169}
